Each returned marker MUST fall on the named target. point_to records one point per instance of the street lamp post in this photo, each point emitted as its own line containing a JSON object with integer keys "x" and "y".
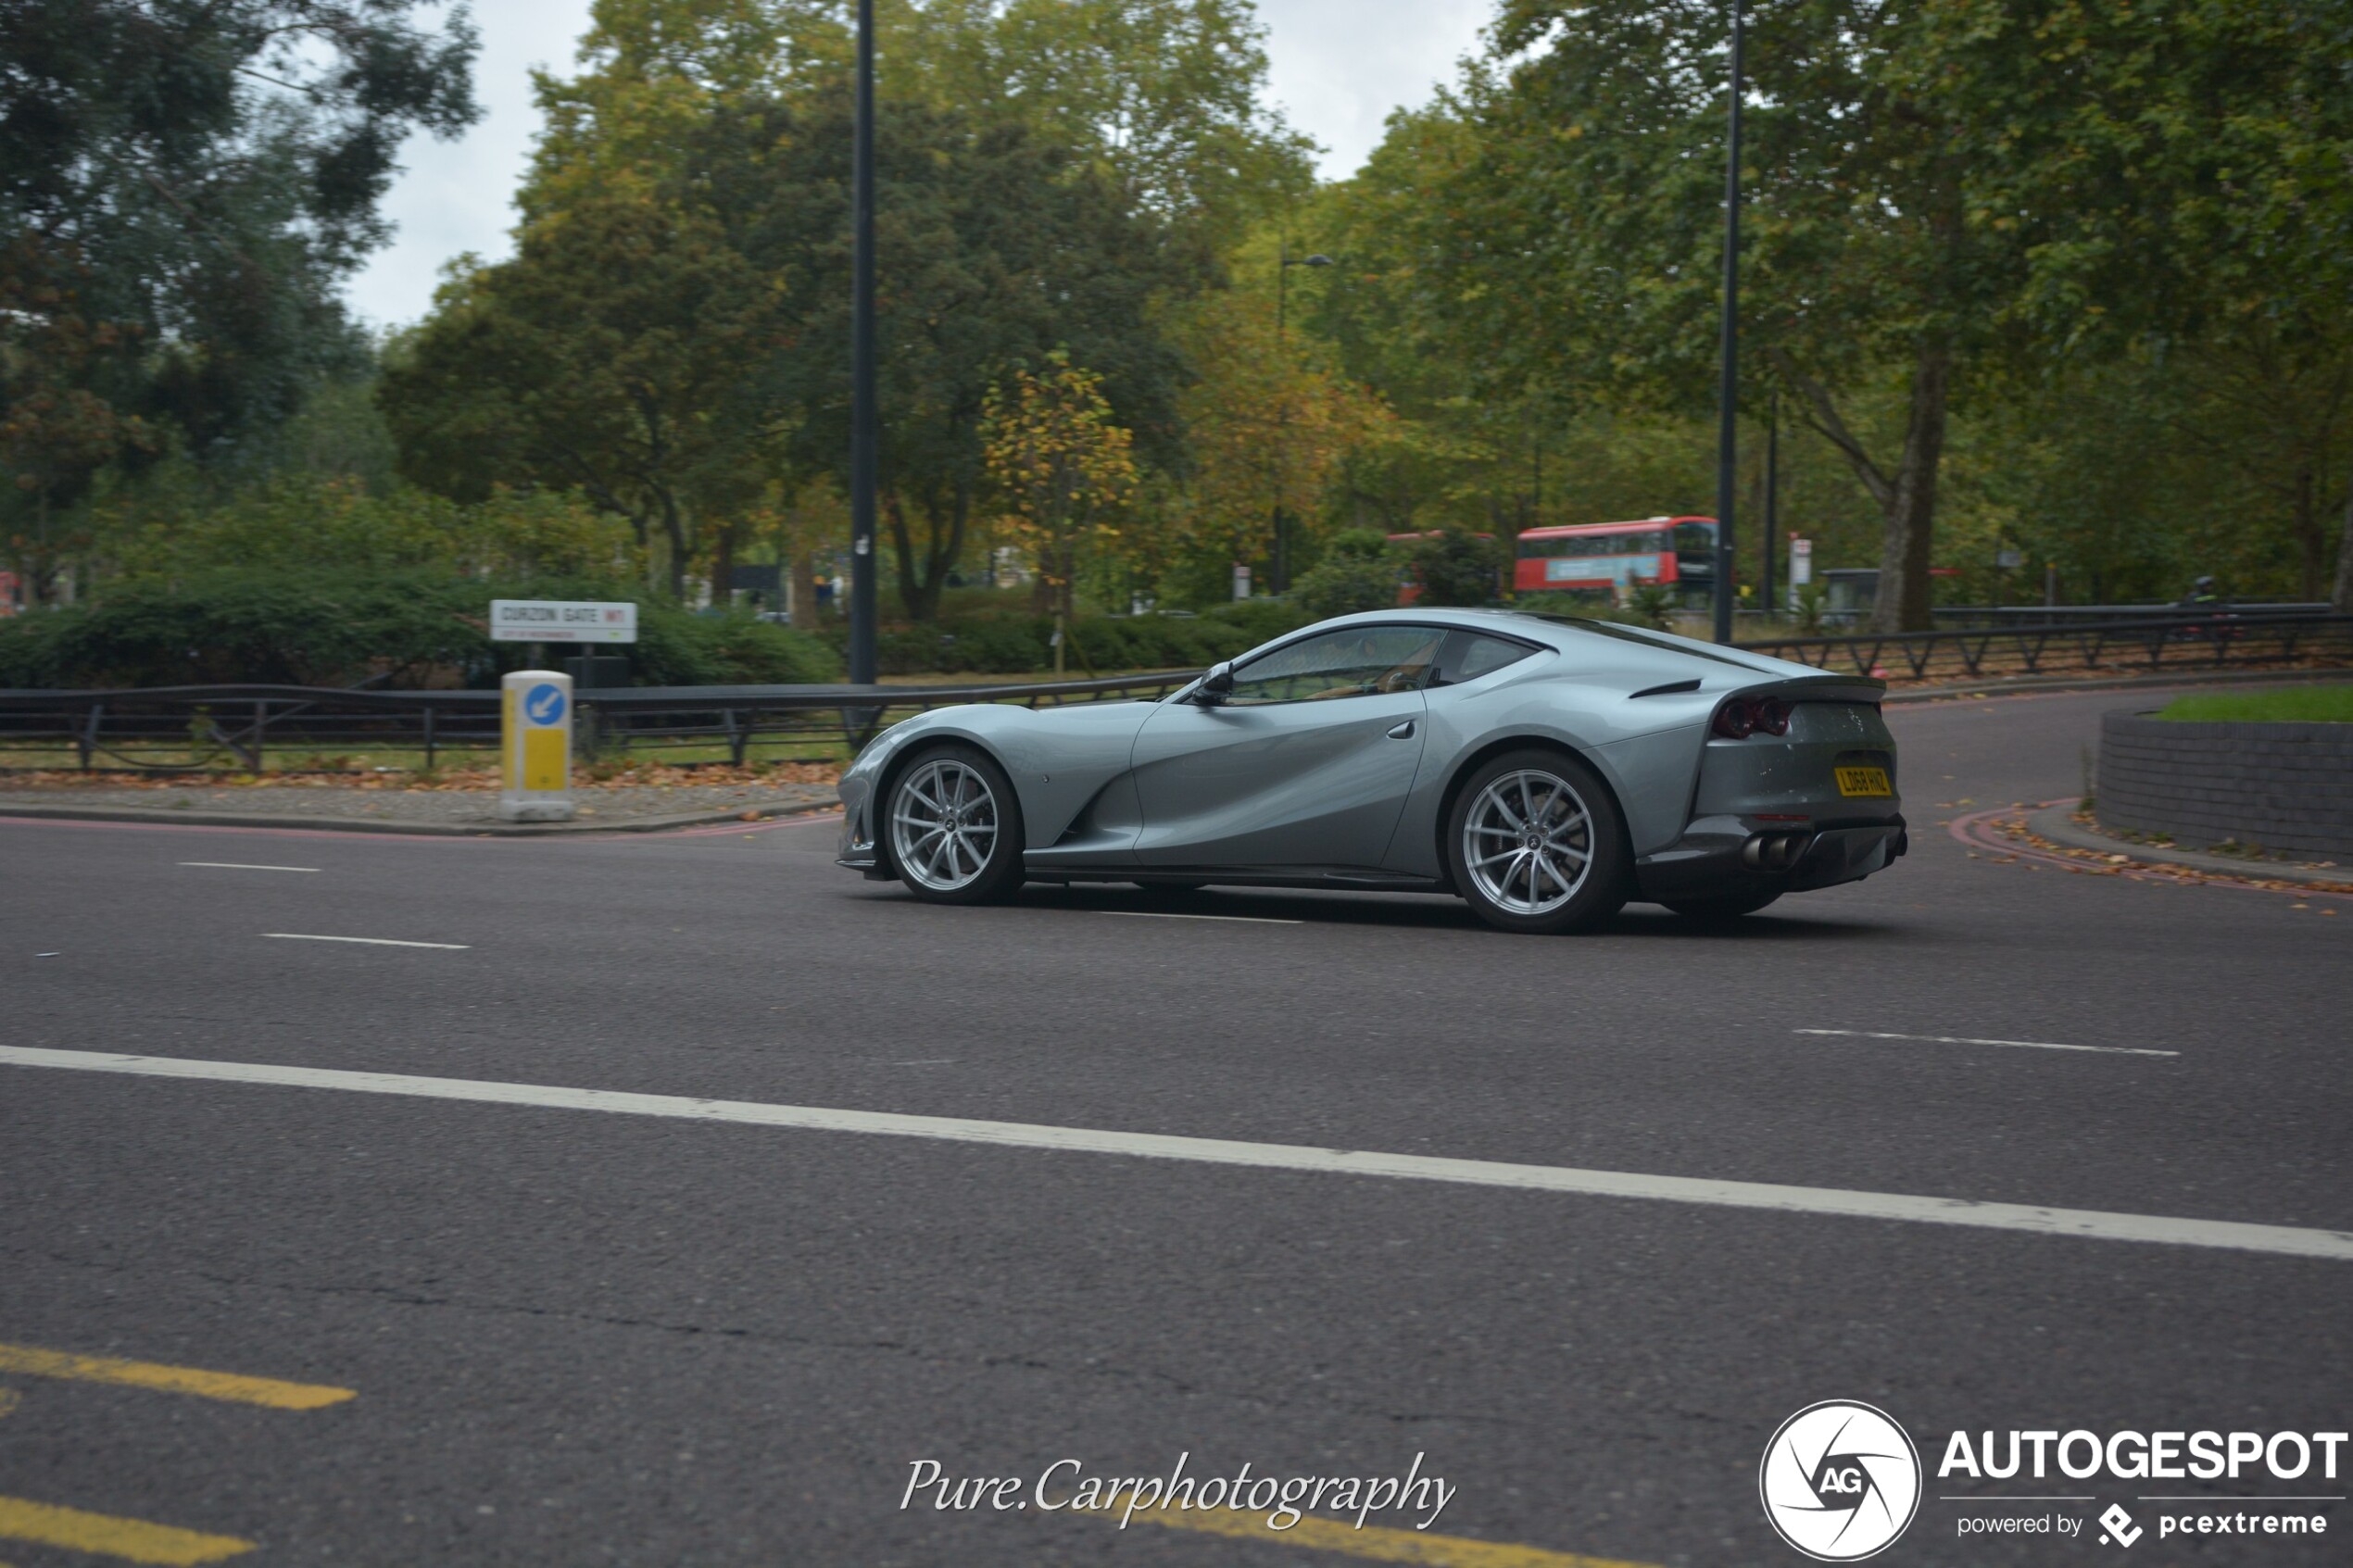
{"x": 1728, "y": 390}
{"x": 1771, "y": 531}
{"x": 1281, "y": 561}
{"x": 865, "y": 434}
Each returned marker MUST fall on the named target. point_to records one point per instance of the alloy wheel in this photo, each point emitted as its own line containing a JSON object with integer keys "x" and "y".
{"x": 943, "y": 824}
{"x": 1528, "y": 842}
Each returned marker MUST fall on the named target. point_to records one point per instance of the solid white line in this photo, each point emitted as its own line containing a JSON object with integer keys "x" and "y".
{"x": 369, "y": 941}
{"x": 1170, "y": 914}
{"x": 1963, "y": 1040}
{"x": 2085, "y": 1223}
{"x": 241, "y": 866}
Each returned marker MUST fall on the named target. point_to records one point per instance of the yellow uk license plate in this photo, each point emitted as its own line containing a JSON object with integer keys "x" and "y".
{"x": 1864, "y": 780}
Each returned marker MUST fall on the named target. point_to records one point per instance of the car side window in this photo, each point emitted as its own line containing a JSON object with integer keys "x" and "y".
{"x": 1471, "y": 654}
{"x": 1352, "y": 661}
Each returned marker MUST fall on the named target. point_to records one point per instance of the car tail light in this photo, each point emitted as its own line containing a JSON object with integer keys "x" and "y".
{"x": 1743, "y": 717}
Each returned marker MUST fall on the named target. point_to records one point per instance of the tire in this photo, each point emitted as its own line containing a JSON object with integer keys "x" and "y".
{"x": 1532, "y": 878}
{"x": 1724, "y": 906}
{"x": 954, "y": 827}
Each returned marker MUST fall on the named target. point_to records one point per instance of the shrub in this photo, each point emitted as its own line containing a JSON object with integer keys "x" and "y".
{"x": 1454, "y": 568}
{"x": 307, "y": 626}
{"x": 1344, "y": 585}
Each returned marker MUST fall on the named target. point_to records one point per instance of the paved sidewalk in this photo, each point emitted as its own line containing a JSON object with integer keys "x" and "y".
{"x": 2057, "y": 823}
{"x": 603, "y": 808}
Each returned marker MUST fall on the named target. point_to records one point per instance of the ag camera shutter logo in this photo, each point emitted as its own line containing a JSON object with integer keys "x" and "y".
{"x": 1840, "y": 1481}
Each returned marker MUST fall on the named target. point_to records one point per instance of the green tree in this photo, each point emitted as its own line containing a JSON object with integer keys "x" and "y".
{"x": 1064, "y": 470}
{"x": 1940, "y": 198}
{"x": 996, "y": 249}
{"x": 182, "y": 188}
{"x": 608, "y": 357}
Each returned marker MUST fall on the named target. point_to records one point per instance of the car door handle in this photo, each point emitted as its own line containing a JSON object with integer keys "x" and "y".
{"x": 1402, "y": 731}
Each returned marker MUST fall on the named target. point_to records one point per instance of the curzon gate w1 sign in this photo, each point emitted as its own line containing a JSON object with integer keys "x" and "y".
{"x": 562, "y": 621}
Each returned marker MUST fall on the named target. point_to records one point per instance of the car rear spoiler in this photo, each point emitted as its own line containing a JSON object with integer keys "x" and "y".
{"x": 1820, "y": 688}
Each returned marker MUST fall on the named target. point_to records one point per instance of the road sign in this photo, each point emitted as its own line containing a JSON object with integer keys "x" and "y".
{"x": 562, "y": 621}
{"x": 1801, "y": 561}
{"x": 536, "y": 745}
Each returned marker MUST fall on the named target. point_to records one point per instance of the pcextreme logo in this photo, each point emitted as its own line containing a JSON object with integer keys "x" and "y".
{"x": 1840, "y": 1481}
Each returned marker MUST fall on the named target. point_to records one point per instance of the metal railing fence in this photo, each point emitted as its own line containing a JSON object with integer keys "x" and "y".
{"x": 2186, "y": 640}
{"x": 197, "y": 728}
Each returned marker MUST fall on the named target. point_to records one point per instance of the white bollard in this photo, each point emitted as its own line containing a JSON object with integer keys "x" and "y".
{"x": 535, "y": 744}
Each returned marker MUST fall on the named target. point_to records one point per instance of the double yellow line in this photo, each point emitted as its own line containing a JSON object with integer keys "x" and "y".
{"x": 135, "y": 1540}
{"x": 1373, "y": 1542}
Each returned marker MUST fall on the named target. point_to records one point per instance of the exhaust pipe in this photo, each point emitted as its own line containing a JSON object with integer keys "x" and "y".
{"x": 1774, "y": 851}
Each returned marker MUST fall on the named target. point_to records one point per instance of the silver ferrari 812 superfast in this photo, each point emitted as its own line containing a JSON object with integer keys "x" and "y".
{"x": 1546, "y": 769}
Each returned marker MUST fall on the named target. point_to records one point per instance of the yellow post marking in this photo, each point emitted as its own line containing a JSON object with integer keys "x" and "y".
{"x": 1373, "y": 1541}
{"x": 133, "y": 1539}
{"x": 204, "y": 1384}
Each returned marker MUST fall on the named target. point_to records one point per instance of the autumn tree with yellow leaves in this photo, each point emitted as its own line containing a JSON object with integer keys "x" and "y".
{"x": 1063, "y": 466}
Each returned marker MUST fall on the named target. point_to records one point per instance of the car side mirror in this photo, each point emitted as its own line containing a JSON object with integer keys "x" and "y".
{"x": 1215, "y": 686}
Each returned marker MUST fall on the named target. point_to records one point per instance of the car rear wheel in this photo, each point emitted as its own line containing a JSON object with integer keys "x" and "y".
{"x": 955, "y": 828}
{"x": 1725, "y": 905}
{"x": 1536, "y": 844}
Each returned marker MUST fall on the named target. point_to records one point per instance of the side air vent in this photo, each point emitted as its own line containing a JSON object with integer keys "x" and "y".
{"x": 1672, "y": 688}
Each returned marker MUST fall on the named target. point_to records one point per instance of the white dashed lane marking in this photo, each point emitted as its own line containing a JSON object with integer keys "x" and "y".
{"x": 1171, "y": 914}
{"x": 367, "y": 941}
{"x": 2082, "y": 1224}
{"x": 241, "y": 866}
{"x": 1963, "y": 1040}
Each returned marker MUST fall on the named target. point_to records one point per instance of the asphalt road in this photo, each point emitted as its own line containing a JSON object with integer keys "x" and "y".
{"x": 577, "y": 1337}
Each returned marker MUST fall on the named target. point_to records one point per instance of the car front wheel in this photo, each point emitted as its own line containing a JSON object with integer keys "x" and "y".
{"x": 955, "y": 828}
{"x": 1536, "y": 844}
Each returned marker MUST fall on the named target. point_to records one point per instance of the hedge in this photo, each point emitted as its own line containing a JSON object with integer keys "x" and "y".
{"x": 398, "y": 628}
{"x": 999, "y": 643}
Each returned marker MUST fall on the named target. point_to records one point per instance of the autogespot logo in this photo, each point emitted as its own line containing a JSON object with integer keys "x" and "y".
{"x": 1840, "y": 1481}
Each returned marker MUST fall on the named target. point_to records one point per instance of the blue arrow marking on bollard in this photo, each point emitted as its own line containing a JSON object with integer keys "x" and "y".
{"x": 544, "y": 704}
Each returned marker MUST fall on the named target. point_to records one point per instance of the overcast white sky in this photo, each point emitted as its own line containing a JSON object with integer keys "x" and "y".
{"x": 1338, "y": 68}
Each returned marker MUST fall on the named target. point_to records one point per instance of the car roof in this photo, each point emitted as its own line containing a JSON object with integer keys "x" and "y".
{"x": 1563, "y": 632}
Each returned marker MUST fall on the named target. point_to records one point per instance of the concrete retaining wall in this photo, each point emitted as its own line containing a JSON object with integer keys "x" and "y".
{"x": 2282, "y": 787}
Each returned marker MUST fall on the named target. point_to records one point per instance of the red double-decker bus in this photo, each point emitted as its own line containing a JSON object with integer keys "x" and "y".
{"x": 1617, "y": 557}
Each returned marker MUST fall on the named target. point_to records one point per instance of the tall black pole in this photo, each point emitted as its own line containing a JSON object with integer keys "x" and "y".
{"x": 1772, "y": 527}
{"x": 1726, "y": 416}
{"x": 1279, "y": 566}
{"x": 865, "y": 434}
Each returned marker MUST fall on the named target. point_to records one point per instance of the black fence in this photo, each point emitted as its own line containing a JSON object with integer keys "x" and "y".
{"x": 196, "y": 728}
{"x": 2181, "y": 640}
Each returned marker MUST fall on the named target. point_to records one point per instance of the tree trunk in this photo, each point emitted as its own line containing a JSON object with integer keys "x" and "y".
{"x": 2311, "y": 538}
{"x": 723, "y": 567}
{"x": 673, "y": 529}
{"x": 923, "y": 572}
{"x": 1904, "y": 602}
{"x": 903, "y": 545}
{"x": 803, "y": 602}
{"x": 1908, "y": 500}
{"x": 2343, "y": 599}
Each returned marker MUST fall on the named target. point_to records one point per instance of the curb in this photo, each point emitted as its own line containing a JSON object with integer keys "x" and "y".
{"x": 412, "y": 830}
{"x": 2057, "y": 823}
{"x": 2107, "y": 684}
